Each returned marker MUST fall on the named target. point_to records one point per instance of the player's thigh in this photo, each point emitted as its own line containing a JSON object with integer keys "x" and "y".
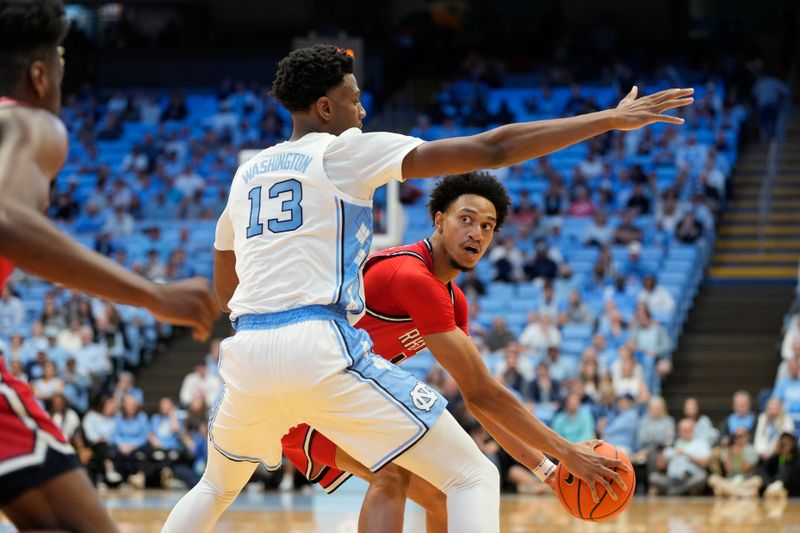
{"x": 67, "y": 502}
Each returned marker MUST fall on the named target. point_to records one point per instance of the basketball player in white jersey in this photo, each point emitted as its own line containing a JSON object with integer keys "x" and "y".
{"x": 290, "y": 247}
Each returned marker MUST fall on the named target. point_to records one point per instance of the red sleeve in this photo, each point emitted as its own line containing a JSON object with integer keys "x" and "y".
{"x": 416, "y": 291}
{"x": 461, "y": 309}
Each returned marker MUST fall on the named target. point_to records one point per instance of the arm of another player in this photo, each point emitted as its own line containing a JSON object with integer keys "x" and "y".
{"x": 32, "y": 148}
{"x": 514, "y": 143}
{"x": 508, "y": 421}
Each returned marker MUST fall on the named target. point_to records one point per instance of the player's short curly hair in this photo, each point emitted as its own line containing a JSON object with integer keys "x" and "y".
{"x": 479, "y": 183}
{"x": 308, "y": 73}
{"x": 29, "y": 29}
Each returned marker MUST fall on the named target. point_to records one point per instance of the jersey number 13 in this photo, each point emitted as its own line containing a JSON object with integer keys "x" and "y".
{"x": 290, "y": 204}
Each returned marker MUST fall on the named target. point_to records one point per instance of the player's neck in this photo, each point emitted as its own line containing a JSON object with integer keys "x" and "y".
{"x": 442, "y": 267}
{"x": 303, "y": 124}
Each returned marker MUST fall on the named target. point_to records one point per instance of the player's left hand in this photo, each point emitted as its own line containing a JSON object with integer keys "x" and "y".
{"x": 594, "y": 469}
{"x": 633, "y": 113}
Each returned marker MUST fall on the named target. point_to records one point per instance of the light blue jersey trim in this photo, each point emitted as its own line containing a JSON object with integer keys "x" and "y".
{"x": 337, "y": 291}
{"x": 289, "y": 317}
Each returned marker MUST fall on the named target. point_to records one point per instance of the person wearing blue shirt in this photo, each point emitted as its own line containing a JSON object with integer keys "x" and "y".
{"x": 131, "y": 433}
{"x": 787, "y": 390}
{"x": 621, "y": 428}
{"x": 575, "y": 422}
{"x": 165, "y": 427}
{"x": 742, "y": 416}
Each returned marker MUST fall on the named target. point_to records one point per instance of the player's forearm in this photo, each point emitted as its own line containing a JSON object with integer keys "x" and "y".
{"x": 225, "y": 278}
{"x": 523, "y": 454}
{"x": 503, "y": 410}
{"x": 34, "y": 244}
{"x": 515, "y": 143}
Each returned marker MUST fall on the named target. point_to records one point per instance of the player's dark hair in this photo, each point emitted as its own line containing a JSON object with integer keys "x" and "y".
{"x": 29, "y": 31}
{"x": 479, "y": 183}
{"x": 308, "y": 74}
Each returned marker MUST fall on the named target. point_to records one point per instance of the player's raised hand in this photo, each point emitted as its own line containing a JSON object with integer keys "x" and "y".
{"x": 187, "y": 303}
{"x": 633, "y": 113}
{"x": 594, "y": 469}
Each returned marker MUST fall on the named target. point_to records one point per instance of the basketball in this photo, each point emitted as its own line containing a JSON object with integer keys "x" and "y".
{"x": 575, "y": 496}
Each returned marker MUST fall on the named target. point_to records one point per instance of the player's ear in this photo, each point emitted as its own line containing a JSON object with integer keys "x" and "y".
{"x": 37, "y": 77}
{"x": 324, "y": 108}
{"x": 438, "y": 221}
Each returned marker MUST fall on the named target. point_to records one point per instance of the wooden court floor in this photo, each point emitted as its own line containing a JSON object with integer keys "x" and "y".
{"x": 145, "y": 512}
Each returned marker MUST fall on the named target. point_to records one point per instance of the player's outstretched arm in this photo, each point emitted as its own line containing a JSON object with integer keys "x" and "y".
{"x": 515, "y": 143}
{"x": 508, "y": 421}
{"x": 33, "y": 243}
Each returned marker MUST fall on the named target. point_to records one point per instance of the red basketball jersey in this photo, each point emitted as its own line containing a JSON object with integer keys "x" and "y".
{"x": 406, "y": 301}
{"x": 6, "y": 267}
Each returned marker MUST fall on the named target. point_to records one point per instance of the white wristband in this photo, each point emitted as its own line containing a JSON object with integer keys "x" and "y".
{"x": 544, "y": 469}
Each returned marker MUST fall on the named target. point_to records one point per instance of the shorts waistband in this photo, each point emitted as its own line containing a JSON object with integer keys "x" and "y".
{"x": 288, "y": 317}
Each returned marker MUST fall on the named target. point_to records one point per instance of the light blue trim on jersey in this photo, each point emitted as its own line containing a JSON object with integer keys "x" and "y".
{"x": 356, "y": 237}
{"x": 289, "y": 317}
{"x": 391, "y": 382}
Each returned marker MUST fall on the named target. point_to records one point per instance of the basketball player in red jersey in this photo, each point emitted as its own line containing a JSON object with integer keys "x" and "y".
{"x": 42, "y": 486}
{"x": 413, "y": 303}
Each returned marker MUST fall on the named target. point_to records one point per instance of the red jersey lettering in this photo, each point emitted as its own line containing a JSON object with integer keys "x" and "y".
{"x": 406, "y": 301}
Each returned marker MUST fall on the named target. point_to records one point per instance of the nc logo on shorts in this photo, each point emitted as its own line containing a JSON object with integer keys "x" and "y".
{"x": 423, "y": 397}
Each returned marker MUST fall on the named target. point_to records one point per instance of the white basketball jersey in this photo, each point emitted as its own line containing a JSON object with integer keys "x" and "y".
{"x": 298, "y": 239}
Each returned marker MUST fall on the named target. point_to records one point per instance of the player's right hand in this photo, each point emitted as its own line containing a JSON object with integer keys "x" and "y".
{"x": 187, "y": 303}
{"x": 594, "y": 469}
{"x": 634, "y": 113}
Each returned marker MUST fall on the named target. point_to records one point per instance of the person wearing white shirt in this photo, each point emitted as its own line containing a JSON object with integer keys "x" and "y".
{"x": 92, "y": 358}
{"x": 686, "y": 466}
{"x": 12, "y": 312}
{"x": 790, "y": 347}
{"x": 189, "y": 181}
{"x": 507, "y": 260}
{"x": 656, "y": 297}
{"x": 539, "y": 334}
{"x": 200, "y": 383}
{"x": 771, "y": 424}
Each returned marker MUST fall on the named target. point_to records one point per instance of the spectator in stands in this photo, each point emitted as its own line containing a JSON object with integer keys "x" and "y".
{"x": 540, "y": 266}
{"x": 589, "y": 377}
{"x": 687, "y": 460}
{"x": 703, "y": 428}
{"x": 638, "y": 201}
{"x": 55, "y": 353}
{"x": 619, "y": 428}
{"x": 605, "y": 353}
{"x": 790, "y": 347}
{"x": 507, "y": 260}
{"x": 149, "y": 110}
{"x": 629, "y": 379}
{"x": 92, "y": 358}
{"x": 688, "y": 230}
{"x": 76, "y": 386}
{"x": 735, "y": 472}
{"x": 562, "y": 369}
{"x": 652, "y": 340}
{"x": 781, "y": 472}
{"x": 49, "y": 385}
{"x": 599, "y": 232}
{"x": 110, "y": 128}
{"x": 632, "y": 268}
{"x": 612, "y": 325}
{"x": 99, "y": 426}
{"x": 543, "y": 389}
{"x": 165, "y": 436}
{"x": 177, "y": 261}
{"x": 628, "y": 231}
{"x": 16, "y": 369}
{"x": 527, "y": 219}
{"x": 787, "y": 389}
{"x": 135, "y": 161}
{"x": 575, "y": 311}
{"x": 499, "y": 337}
{"x": 120, "y": 224}
{"x": 53, "y": 317}
{"x": 656, "y": 428}
{"x": 34, "y": 343}
{"x": 668, "y": 212}
{"x": 34, "y": 368}
{"x": 554, "y": 199}
{"x": 539, "y": 334}
{"x": 200, "y": 383}
{"x": 92, "y": 220}
{"x": 70, "y": 339}
{"x": 769, "y": 93}
{"x": 176, "y": 108}
{"x": 12, "y": 312}
{"x": 515, "y": 370}
{"x": 574, "y": 422}
{"x": 742, "y": 417}
{"x": 64, "y": 417}
{"x": 655, "y": 297}
{"x": 189, "y": 181}
{"x": 771, "y": 424}
{"x": 126, "y": 385}
{"x": 581, "y": 204}
{"x": 131, "y": 434}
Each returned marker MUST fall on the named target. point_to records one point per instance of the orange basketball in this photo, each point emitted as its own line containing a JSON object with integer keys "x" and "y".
{"x": 576, "y": 497}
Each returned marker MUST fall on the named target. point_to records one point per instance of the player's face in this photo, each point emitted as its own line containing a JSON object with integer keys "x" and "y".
{"x": 467, "y": 229}
{"x": 346, "y": 110}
